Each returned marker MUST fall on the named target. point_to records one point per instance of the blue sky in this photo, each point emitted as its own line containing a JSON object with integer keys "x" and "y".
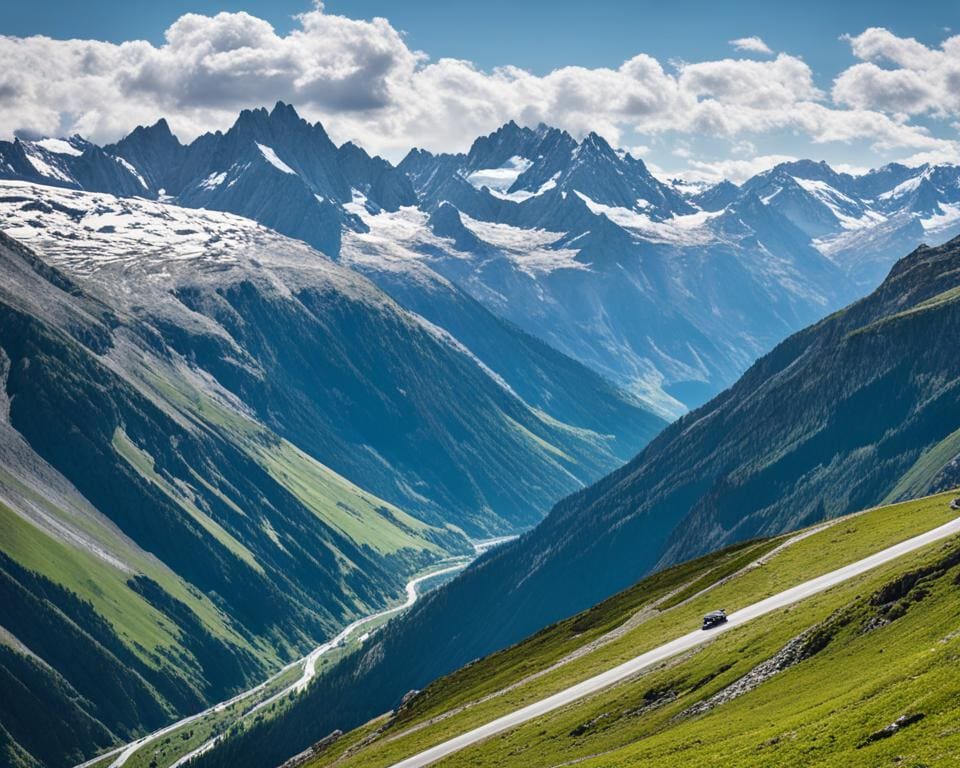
{"x": 887, "y": 105}
{"x": 536, "y": 34}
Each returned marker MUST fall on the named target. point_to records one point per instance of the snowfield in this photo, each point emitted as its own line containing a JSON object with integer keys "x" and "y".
{"x": 688, "y": 229}
{"x": 137, "y": 250}
{"x": 530, "y": 250}
{"x": 502, "y": 178}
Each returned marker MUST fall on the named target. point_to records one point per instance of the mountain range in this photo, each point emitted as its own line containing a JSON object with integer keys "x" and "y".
{"x": 860, "y": 409}
{"x": 671, "y": 294}
{"x": 252, "y": 384}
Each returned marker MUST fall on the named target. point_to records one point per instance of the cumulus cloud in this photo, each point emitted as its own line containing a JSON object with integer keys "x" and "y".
{"x": 365, "y": 83}
{"x": 760, "y": 84}
{"x": 751, "y": 44}
{"x": 207, "y": 69}
{"x": 901, "y": 75}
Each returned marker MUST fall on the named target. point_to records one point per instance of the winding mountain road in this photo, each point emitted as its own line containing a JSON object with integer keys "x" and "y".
{"x": 309, "y": 662}
{"x": 686, "y": 642}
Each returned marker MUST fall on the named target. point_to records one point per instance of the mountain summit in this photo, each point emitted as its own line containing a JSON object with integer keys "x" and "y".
{"x": 669, "y": 294}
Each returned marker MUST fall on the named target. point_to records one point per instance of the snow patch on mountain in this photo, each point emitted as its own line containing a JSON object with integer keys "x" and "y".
{"x": 214, "y": 180}
{"x": 902, "y": 189}
{"x": 395, "y": 242}
{"x": 91, "y": 231}
{"x": 939, "y": 222}
{"x": 59, "y": 146}
{"x": 684, "y": 229}
{"x": 404, "y": 227}
{"x": 519, "y": 195}
{"x": 271, "y": 157}
{"x": 840, "y": 205}
{"x": 45, "y": 166}
{"x": 133, "y": 171}
{"x": 531, "y": 250}
{"x": 502, "y": 178}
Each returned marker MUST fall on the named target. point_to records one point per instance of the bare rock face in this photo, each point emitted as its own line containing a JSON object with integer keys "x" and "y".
{"x": 801, "y": 647}
{"x": 407, "y": 698}
{"x": 894, "y": 728}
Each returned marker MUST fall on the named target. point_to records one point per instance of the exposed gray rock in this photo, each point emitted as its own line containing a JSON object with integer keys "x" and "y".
{"x": 894, "y": 728}
{"x": 792, "y": 653}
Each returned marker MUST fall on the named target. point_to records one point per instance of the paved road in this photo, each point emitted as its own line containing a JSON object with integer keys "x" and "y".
{"x": 681, "y": 644}
{"x": 309, "y": 662}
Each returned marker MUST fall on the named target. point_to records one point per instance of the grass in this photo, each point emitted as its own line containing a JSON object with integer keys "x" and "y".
{"x": 926, "y": 467}
{"x": 71, "y": 559}
{"x": 103, "y": 762}
{"x": 102, "y": 580}
{"x": 361, "y": 517}
{"x": 76, "y": 513}
{"x": 936, "y": 302}
{"x": 546, "y": 741}
{"x": 737, "y": 561}
{"x": 548, "y": 449}
{"x": 554, "y": 643}
{"x": 143, "y": 628}
{"x": 821, "y": 709}
{"x": 143, "y": 462}
{"x": 176, "y": 744}
{"x": 178, "y": 396}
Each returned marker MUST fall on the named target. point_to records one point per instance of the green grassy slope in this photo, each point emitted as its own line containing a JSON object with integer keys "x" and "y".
{"x": 160, "y": 549}
{"x": 359, "y": 515}
{"x": 178, "y": 562}
{"x": 876, "y": 648}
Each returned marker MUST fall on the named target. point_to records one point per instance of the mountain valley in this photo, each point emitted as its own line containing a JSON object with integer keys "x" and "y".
{"x": 257, "y": 383}
{"x": 219, "y": 446}
{"x": 790, "y": 445}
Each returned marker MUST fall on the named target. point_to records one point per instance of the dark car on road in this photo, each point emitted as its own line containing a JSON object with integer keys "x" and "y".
{"x": 715, "y": 619}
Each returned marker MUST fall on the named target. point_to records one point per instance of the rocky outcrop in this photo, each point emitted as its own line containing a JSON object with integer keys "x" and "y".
{"x": 893, "y": 729}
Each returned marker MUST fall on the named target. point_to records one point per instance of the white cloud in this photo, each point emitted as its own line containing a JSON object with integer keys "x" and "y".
{"x": 901, "y": 75}
{"x": 751, "y": 44}
{"x": 733, "y": 170}
{"x": 949, "y": 153}
{"x": 364, "y": 82}
{"x": 743, "y": 82}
